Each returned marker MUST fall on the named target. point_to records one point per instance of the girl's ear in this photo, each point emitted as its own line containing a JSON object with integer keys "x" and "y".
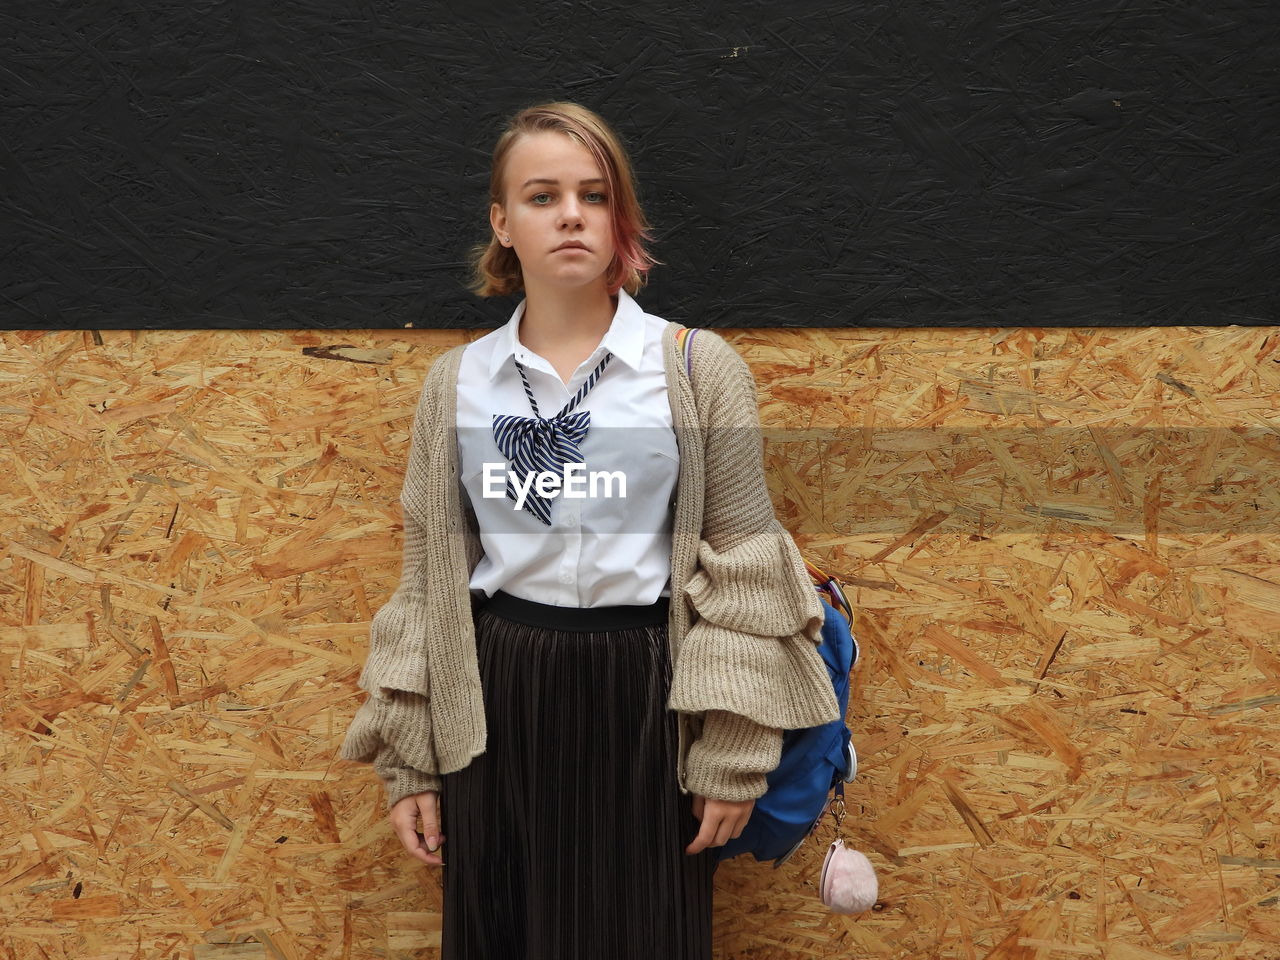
{"x": 498, "y": 219}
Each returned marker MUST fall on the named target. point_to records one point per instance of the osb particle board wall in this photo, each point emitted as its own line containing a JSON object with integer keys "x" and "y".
{"x": 1062, "y": 545}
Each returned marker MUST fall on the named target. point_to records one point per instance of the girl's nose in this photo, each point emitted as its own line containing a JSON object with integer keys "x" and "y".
{"x": 571, "y": 211}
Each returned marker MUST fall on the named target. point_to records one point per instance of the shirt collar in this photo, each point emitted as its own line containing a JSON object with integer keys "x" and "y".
{"x": 624, "y": 338}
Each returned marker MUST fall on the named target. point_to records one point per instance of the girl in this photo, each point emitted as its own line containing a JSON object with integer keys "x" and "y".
{"x": 579, "y": 686}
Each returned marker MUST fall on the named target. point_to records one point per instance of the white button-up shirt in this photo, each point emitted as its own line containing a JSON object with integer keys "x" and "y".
{"x": 602, "y": 548}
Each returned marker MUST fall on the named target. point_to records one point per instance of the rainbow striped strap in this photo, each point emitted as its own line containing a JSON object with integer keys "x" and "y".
{"x": 684, "y": 343}
{"x": 829, "y": 585}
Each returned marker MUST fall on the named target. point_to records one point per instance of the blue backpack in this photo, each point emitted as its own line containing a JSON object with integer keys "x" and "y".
{"x": 815, "y": 760}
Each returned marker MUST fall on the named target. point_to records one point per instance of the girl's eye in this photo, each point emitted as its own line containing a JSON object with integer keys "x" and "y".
{"x": 539, "y": 197}
{"x": 599, "y": 197}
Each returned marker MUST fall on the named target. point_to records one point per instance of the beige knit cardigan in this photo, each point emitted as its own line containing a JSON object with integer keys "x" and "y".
{"x": 744, "y": 622}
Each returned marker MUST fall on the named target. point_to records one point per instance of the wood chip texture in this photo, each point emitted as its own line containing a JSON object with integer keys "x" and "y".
{"x": 1062, "y": 546}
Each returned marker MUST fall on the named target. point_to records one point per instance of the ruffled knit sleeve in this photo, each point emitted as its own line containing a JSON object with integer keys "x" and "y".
{"x": 394, "y": 734}
{"x": 750, "y": 662}
{"x": 392, "y": 729}
{"x": 754, "y": 641}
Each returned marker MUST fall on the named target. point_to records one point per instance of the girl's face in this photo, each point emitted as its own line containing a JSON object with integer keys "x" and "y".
{"x": 555, "y": 212}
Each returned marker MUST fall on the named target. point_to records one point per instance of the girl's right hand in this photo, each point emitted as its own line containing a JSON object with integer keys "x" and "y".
{"x": 428, "y": 845}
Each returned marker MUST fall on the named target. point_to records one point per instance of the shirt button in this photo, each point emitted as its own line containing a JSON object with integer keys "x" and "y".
{"x": 566, "y": 576}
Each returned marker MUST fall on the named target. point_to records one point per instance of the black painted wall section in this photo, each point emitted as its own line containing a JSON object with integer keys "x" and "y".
{"x": 242, "y": 164}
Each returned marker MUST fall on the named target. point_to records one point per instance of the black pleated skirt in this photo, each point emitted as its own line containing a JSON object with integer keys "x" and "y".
{"x": 565, "y": 839}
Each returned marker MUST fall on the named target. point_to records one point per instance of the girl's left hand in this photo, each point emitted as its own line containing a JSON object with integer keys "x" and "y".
{"x": 722, "y": 821}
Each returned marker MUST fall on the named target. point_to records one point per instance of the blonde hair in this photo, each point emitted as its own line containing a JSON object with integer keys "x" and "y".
{"x": 496, "y": 269}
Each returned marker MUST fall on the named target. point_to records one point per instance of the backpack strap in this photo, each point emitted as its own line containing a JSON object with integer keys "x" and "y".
{"x": 684, "y": 343}
{"x": 831, "y": 586}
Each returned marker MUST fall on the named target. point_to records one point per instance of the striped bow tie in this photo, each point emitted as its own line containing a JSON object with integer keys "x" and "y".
{"x": 534, "y": 444}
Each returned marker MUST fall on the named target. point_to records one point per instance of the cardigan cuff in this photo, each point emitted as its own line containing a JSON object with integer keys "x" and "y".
{"x": 732, "y": 757}
{"x": 399, "y": 779}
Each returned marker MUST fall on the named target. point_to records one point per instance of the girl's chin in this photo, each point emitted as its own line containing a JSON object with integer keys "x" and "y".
{"x": 572, "y": 278}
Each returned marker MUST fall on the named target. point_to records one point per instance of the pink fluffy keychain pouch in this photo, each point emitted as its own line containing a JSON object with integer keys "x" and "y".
{"x": 848, "y": 883}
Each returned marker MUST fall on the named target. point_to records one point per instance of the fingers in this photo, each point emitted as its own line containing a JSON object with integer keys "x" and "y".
{"x": 699, "y": 842}
{"x": 426, "y": 846}
{"x": 714, "y": 832}
{"x": 429, "y": 810}
{"x": 705, "y": 837}
{"x": 721, "y": 821}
